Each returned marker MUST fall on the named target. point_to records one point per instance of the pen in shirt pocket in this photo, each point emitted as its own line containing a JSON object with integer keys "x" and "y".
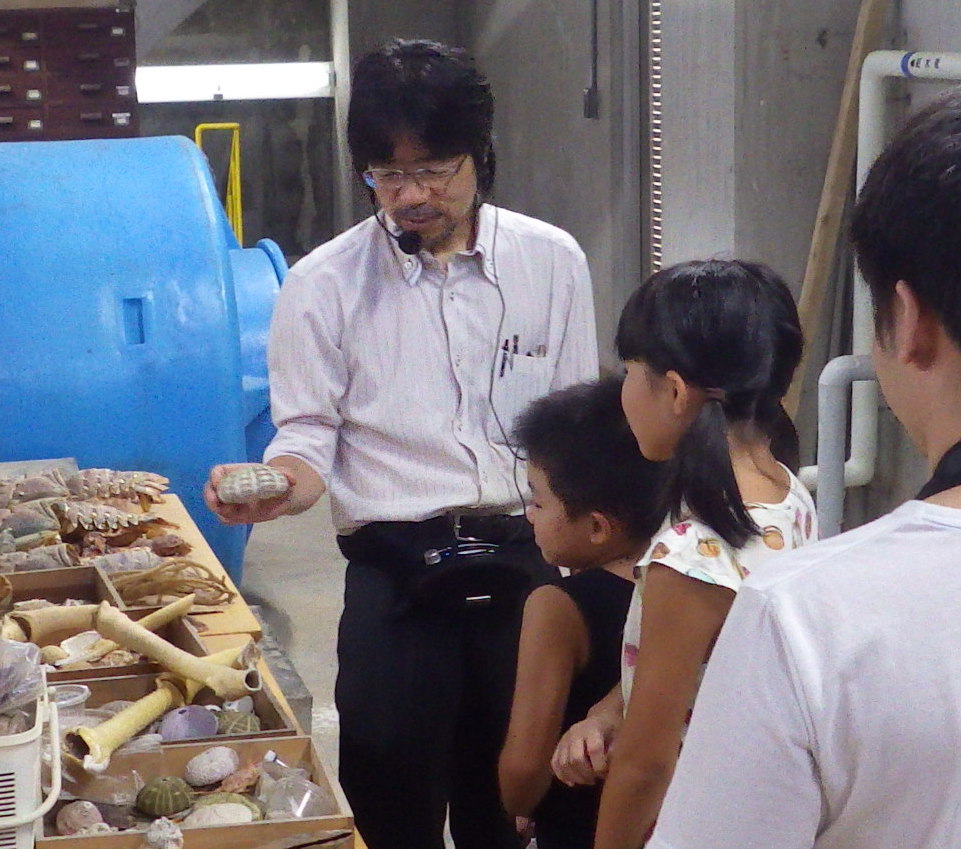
{"x": 506, "y": 349}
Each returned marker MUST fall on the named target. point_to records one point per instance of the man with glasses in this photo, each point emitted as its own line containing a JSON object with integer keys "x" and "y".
{"x": 400, "y": 353}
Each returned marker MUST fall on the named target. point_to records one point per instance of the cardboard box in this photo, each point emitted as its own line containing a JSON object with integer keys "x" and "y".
{"x": 170, "y": 760}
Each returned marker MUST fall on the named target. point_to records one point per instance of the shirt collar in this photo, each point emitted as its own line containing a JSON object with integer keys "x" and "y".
{"x": 411, "y": 265}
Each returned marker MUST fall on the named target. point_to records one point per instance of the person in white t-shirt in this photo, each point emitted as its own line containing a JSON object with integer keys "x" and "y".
{"x": 710, "y": 349}
{"x": 830, "y": 713}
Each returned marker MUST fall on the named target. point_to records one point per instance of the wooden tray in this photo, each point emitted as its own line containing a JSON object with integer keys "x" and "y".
{"x": 87, "y": 583}
{"x": 275, "y": 721}
{"x": 171, "y": 759}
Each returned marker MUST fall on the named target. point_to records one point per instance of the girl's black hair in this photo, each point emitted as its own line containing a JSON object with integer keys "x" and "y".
{"x": 580, "y": 437}
{"x": 428, "y": 90}
{"x": 730, "y": 328}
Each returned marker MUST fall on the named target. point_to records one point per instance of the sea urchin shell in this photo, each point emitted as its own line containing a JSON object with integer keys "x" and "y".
{"x": 252, "y": 482}
{"x": 164, "y": 796}
{"x": 235, "y": 722}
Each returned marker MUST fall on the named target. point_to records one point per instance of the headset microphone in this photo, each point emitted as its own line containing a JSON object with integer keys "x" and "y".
{"x": 409, "y": 241}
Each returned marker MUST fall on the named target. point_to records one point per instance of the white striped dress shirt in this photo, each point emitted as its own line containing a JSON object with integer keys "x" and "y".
{"x": 383, "y": 366}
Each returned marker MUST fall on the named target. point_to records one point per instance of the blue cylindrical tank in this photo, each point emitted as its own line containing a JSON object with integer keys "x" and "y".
{"x": 132, "y": 325}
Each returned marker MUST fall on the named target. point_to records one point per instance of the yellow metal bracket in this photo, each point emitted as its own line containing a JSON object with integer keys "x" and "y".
{"x": 232, "y": 202}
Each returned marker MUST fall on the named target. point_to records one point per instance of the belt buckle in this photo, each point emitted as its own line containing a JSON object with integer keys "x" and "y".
{"x": 456, "y": 518}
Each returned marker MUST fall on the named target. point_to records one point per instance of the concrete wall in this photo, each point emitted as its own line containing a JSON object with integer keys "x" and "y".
{"x": 581, "y": 174}
{"x": 360, "y": 27}
{"x": 922, "y": 25}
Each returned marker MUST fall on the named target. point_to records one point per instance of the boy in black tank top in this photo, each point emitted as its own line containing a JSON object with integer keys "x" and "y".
{"x": 593, "y": 511}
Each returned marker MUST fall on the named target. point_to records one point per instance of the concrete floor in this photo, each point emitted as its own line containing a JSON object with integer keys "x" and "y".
{"x": 295, "y": 572}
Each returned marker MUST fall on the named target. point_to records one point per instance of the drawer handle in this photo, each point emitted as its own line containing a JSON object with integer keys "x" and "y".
{"x": 91, "y": 116}
{"x": 6, "y": 120}
{"x": 88, "y": 57}
{"x": 6, "y": 89}
{"x": 88, "y": 88}
{"x": 88, "y": 26}
{"x": 4, "y": 60}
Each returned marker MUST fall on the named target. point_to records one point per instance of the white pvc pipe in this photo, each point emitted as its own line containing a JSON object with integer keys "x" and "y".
{"x": 833, "y": 385}
{"x": 878, "y": 66}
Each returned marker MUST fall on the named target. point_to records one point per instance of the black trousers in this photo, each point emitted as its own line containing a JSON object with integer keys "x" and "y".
{"x": 424, "y": 698}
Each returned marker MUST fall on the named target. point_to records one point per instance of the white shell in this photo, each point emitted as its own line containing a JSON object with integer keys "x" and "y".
{"x": 163, "y": 834}
{"x": 77, "y": 816}
{"x": 224, "y": 813}
{"x": 254, "y": 482}
{"x": 211, "y": 766}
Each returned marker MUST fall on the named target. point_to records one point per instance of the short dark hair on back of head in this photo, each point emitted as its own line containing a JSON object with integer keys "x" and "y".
{"x": 907, "y": 221}
{"x": 581, "y": 439}
{"x": 427, "y": 90}
{"x": 730, "y": 327}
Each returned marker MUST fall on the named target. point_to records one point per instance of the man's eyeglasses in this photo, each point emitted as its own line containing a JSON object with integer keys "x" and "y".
{"x": 433, "y": 179}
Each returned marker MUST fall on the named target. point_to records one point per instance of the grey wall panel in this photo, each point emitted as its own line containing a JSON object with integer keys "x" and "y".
{"x": 553, "y": 163}
{"x": 791, "y": 67}
{"x": 699, "y": 96}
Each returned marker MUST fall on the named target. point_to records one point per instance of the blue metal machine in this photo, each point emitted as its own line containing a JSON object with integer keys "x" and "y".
{"x": 133, "y": 326}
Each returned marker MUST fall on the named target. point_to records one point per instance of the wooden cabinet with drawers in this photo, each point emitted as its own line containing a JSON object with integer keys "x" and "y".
{"x": 67, "y": 71}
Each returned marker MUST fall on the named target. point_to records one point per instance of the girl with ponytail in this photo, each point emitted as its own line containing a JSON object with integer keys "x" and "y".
{"x": 710, "y": 349}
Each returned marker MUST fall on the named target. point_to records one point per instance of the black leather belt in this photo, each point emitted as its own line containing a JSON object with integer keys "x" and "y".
{"x": 408, "y": 541}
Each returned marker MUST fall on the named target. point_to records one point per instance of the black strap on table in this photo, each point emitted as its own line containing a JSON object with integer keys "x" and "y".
{"x": 947, "y": 474}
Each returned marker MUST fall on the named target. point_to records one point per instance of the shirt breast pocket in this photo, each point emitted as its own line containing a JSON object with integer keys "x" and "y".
{"x": 524, "y": 379}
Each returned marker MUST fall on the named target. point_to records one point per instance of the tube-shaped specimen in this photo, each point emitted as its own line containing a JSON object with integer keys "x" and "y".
{"x": 225, "y": 682}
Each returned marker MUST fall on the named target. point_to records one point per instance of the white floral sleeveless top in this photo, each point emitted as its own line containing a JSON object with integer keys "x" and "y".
{"x": 694, "y": 549}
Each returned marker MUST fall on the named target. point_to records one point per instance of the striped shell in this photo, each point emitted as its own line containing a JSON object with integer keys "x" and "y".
{"x": 254, "y": 482}
{"x": 235, "y": 722}
{"x": 104, "y": 483}
{"x": 164, "y": 796}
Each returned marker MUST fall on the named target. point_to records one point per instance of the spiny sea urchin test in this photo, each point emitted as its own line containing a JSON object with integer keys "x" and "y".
{"x": 165, "y": 796}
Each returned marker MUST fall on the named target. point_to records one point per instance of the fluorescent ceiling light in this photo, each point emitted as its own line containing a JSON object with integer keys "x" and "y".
{"x": 193, "y": 83}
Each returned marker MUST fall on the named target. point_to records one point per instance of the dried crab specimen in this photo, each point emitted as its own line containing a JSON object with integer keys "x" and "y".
{"x": 124, "y": 560}
{"x": 87, "y": 516}
{"x": 145, "y": 487}
{"x": 27, "y": 488}
{"x": 44, "y": 557}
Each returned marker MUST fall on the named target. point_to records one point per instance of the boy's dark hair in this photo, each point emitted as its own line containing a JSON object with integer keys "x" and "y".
{"x": 581, "y": 439}
{"x": 428, "y": 90}
{"x": 731, "y": 328}
{"x": 907, "y": 221}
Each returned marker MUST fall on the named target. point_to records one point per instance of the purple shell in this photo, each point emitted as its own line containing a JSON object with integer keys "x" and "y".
{"x": 186, "y": 722}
